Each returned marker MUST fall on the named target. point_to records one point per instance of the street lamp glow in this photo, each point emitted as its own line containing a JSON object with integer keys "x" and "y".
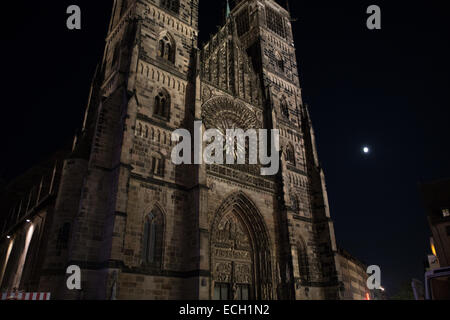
{"x": 433, "y": 250}
{"x": 28, "y": 220}
{"x": 8, "y": 237}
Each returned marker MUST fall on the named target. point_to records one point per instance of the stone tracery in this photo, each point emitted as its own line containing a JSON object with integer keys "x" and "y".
{"x": 224, "y": 113}
{"x": 240, "y": 254}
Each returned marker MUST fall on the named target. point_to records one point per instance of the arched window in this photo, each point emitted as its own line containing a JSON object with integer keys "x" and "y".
{"x": 290, "y": 154}
{"x": 158, "y": 165}
{"x": 295, "y": 203}
{"x": 139, "y": 130}
{"x": 275, "y": 22}
{"x": 153, "y": 238}
{"x": 172, "y": 5}
{"x": 116, "y": 55}
{"x": 284, "y": 108}
{"x": 280, "y": 62}
{"x": 166, "y": 48}
{"x": 162, "y": 104}
{"x": 303, "y": 263}
{"x": 150, "y": 239}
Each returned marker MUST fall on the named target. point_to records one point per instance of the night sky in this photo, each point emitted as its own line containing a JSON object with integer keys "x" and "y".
{"x": 386, "y": 89}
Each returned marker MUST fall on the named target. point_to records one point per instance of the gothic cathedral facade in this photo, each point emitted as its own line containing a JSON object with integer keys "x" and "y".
{"x": 144, "y": 228}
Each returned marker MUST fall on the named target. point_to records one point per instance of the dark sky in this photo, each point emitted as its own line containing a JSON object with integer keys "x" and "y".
{"x": 386, "y": 89}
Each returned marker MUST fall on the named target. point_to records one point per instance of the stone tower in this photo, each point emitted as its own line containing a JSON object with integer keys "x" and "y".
{"x": 296, "y": 207}
{"x": 265, "y": 30}
{"x": 141, "y": 227}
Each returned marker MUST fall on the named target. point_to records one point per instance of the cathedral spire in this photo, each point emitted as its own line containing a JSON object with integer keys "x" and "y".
{"x": 228, "y": 11}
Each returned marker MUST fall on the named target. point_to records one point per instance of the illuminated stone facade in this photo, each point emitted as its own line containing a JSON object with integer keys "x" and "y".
{"x": 142, "y": 228}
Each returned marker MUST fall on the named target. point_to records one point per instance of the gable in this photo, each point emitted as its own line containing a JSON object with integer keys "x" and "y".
{"x": 226, "y": 65}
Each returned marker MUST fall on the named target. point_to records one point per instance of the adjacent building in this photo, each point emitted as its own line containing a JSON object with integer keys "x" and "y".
{"x": 27, "y": 208}
{"x": 436, "y": 200}
{"x": 353, "y": 277}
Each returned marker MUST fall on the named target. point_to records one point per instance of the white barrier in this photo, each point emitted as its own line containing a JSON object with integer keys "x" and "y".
{"x": 26, "y": 296}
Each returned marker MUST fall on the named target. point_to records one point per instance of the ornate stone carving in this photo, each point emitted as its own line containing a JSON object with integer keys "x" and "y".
{"x": 224, "y": 113}
{"x": 207, "y": 94}
{"x": 240, "y": 247}
{"x": 222, "y": 272}
{"x": 231, "y": 235}
{"x": 243, "y": 274}
{"x": 226, "y": 65}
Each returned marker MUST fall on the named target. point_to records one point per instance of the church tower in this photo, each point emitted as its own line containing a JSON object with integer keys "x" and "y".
{"x": 265, "y": 30}
{"x": 119, "y": 214}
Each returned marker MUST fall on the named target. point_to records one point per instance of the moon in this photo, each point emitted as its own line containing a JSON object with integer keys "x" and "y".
{"x": 366, "y": 150}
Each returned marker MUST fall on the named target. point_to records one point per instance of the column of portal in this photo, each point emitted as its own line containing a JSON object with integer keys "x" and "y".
{"x": 5, "y": 264}
{"x": 23, "y": 257}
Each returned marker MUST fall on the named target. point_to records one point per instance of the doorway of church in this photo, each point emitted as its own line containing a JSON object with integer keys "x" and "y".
{"x": 225, "y": 291}
{"x": 240, "y": 252}
{"x": 233, "y": 260}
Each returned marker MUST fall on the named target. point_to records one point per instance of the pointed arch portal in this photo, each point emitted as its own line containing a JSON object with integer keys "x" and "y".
{"x": 241, "y": 261}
